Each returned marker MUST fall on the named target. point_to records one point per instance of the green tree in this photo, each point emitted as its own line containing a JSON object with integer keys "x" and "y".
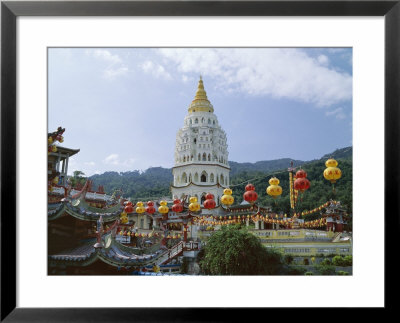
{"x": 338, "y": 261}
{"x": 348, "y": 260}
{"x": 78, "y": 177}
{"x": 235, "y": 251}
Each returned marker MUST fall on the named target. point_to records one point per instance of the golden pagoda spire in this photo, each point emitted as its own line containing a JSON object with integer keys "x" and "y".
{"x": 200, "y": 101}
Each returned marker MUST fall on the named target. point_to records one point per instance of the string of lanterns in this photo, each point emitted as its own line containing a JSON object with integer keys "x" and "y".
{"x": 287, "y": 222}
{"x": 297, "y": 183}
{"x": 331, "y": 173}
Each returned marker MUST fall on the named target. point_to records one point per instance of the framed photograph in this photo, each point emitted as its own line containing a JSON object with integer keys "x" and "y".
{"x": 205, "y": 90}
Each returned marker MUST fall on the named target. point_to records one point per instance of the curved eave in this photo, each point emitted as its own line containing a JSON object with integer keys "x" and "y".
{"x": 86, "y": 216}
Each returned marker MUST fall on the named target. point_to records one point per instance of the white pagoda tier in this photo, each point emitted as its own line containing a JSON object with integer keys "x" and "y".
{"x": 201, "y": 152}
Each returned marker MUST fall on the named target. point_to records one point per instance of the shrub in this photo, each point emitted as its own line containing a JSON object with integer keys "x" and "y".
{"x": 348, "y": 260}
{"x": 326, "y": 270}
{"x": 342, "y": 273}
{"x": 308, "y": 273}
{"x": 288, "y": 259}
{"x": 293, "y": 270}
{"x": 338, "y": 261}
{"x": 326, "y": 262}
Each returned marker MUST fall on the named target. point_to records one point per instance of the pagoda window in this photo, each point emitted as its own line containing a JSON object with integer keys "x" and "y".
{"x": 198, "y": 157}
{"x": 195, "y": 140}
{"x": 222, "y": 179}
{"x": 184, "y": 158}
{"x": 214, "y": 122}
{"x": 202, "y": 120}
{"x": 209, "y": 121}
{"x": 204, "y": 157}
{"x": 184, "y": 178}
{"x": 212, "y": 178}
{"x": 196, "y": 120}
{"x": 201, "y": 138}
{"x": 203, "y": 178}
{"x": 191, "y": 157}
{"x": 190, "y": 178}
{"x": 196, "y": 178}
{"x": 209, "y": 157}
{"x": 190, "y": 121}
{"x": 203, "y": 198}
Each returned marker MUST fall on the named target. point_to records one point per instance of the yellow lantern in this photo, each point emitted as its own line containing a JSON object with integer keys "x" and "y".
{"x": 332, "y": 173}
{"x": 227, "y": 198}
{"x": 274, "y": 190}
{"x": 163, "y": 209}
{"x": 54, "y": 149}
{"x": 194, "y": 206}
{"x": 50, "y": 140}
{"x": 140, "y": 208}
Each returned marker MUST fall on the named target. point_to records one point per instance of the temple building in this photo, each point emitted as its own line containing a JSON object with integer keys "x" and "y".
{"x": 201, "y": 152}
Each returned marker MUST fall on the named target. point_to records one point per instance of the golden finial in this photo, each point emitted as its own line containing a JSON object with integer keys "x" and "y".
{"x": 201, "y": 102}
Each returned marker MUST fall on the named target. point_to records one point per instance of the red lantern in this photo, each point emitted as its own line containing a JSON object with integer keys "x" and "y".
{"x": 250, "y": 196}
{"x": 301, "y": 174}
{"x": 177, "y": 207}
{"x": 301, "y": 184}
{"x": 209, "y": 204}
{"x": 150, "y": 203}
{"x": 150, "y": 209}
{"x": 128, "y": 208}
{"x": 177, "y": 201}
{"x": 250, "y": 187}
{"x": 209, "y": 196}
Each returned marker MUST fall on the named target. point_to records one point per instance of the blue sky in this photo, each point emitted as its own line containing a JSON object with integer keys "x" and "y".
{"x": 122, "y": 107}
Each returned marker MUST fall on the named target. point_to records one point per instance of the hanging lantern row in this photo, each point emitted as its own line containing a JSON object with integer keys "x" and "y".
{"x": 138, "y": 235}
{"x": 316, "y": 209}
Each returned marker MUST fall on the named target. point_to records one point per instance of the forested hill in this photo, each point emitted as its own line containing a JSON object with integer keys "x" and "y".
{"x": 155, "y": 182}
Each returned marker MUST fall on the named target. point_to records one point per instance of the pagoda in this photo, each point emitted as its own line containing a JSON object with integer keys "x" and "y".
{"x": 201, "y": 152}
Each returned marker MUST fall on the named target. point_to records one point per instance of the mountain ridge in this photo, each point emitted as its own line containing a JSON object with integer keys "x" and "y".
{"x": 155, "y": 181}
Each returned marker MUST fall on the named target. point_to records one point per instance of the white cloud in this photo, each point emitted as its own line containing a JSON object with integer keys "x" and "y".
{"x": 115, "y": 160}
{"x": 277, "y": 72}
{"x": 323, "y": 60}
{"x": 156, "y": 70}
{"x": 337, "y": 113}
{"x": 112, "y": 159}
{"x": 115, "y": 67}
{"x": 105, "y": 55}
{"x": 90, "y": 163}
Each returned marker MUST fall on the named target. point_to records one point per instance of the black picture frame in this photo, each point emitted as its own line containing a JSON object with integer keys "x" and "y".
{"x": 10, "y": 10}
